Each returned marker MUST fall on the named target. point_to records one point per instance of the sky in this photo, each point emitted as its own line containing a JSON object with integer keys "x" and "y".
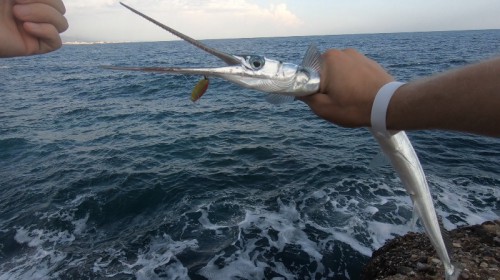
{"x": 108, "y": 21}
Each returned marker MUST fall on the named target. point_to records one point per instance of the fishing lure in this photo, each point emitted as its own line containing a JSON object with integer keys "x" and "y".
{"x": 200, "y": 89}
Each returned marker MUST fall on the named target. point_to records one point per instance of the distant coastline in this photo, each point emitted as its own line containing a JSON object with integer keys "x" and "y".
{"x": 90, "y": 43}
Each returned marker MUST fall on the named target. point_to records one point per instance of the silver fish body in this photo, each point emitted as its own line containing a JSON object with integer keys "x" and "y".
{"x": 279, "y": 78}
{"x": 270, "y": 76}
{"x": 397, "y": 147}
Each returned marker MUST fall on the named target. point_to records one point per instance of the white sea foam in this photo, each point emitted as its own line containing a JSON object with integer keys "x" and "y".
{"x": 289, "y": 227}
{"x": 308, "y": 227}
{"x": 240, "y": 265}
{"x": 40, "y": 261}
{"x": 205, "y": 221}
{"x": 381, "y": 232}
{"x": 157, "y": 260}
{"x": 249, "y": 260}
{"x": 467, "y": 204}
{"x": 44, "y": 252}
{"x": 160, "y": 255}
{"x": 80, "y": 225}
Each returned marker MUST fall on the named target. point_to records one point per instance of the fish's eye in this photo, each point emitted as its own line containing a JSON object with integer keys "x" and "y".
{"x": 257, "y": 62}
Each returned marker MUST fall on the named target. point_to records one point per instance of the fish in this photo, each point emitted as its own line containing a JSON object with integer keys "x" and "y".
{"x": 200, "y": 89}
{"x": 283, "y": 82}
{"x": 397, "y": 147}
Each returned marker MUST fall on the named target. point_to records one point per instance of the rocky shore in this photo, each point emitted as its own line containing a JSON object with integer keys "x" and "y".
{"x": 476, "y": 249}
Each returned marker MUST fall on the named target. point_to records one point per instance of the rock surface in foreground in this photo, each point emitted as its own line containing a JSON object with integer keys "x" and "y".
{"x": 476, "y": 249}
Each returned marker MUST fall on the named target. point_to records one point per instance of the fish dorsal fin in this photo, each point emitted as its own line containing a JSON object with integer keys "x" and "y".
{"x": 312, "y": 59}
{"x": 277, "y": 99}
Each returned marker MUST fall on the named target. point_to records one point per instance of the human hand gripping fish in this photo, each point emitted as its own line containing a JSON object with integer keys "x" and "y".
{"x": 285, "y": 82}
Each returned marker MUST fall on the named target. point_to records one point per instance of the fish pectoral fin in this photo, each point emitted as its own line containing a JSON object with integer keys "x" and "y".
{"x": 312, "y": 59}
{"x": 277, "y": 99}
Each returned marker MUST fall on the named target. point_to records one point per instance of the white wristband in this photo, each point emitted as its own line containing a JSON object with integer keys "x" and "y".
{"x": 380, "y": 104}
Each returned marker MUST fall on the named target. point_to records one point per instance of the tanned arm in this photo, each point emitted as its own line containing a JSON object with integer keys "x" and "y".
{"x": 466, "y": 99}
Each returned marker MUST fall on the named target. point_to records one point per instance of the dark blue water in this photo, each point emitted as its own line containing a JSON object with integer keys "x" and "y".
{"x": 117, "y": 175}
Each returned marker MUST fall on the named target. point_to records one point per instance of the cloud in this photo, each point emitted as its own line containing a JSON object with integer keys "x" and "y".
{"x": 88, "y": 4}
{"x": 282, "y": 13}
{"x": 198, "y": 18}
{"x": 277, "y": 12}
{"x": 240, "y": 18}
{"x": 227, "y": 10}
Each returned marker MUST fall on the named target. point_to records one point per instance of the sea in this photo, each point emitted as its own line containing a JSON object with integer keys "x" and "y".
{"x": 118, "y": 175}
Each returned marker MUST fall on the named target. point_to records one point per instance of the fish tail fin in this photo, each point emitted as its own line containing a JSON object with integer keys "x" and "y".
{"x": 457, "y": 269}
{"x": 455, "y": 274}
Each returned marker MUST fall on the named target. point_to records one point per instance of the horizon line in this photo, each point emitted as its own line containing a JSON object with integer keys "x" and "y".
{"x": 72, "y": 41}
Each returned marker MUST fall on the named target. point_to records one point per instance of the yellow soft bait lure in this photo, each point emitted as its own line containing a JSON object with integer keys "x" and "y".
{"x": 200, "y": 88}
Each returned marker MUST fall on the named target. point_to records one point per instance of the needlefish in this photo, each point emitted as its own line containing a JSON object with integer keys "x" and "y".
{"x": 284, "y": 82}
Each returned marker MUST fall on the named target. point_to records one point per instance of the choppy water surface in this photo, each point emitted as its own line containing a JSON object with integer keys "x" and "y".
{"x": 117, "y": 175}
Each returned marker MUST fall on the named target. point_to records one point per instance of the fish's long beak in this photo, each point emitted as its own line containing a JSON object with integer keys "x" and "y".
{"x": 229, "y": 59}
{"x": 220, "y": 71}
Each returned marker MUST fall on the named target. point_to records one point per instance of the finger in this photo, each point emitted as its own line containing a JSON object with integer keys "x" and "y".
{"x": 56, "y": 4}
{"x": 316, "y": 100}
{"x": 319, "y": 103}
{"x": 41, "y": 13}
{"x": 48, "y": 36}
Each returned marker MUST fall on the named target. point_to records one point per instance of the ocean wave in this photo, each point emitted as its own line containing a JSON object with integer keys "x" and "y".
{"x": 110, "y": 174}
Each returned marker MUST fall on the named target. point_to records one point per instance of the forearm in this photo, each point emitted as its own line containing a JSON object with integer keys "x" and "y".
{"x": 466, "y": 100}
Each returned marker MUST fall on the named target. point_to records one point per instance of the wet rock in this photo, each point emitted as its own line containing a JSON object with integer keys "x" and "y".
{"x": 465, "y": 275}
{"x": 404, "y": 270}
{"x": 422, "y": 267}
{"x": 476, "y": 249}
{"x": 436, "y": 261}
